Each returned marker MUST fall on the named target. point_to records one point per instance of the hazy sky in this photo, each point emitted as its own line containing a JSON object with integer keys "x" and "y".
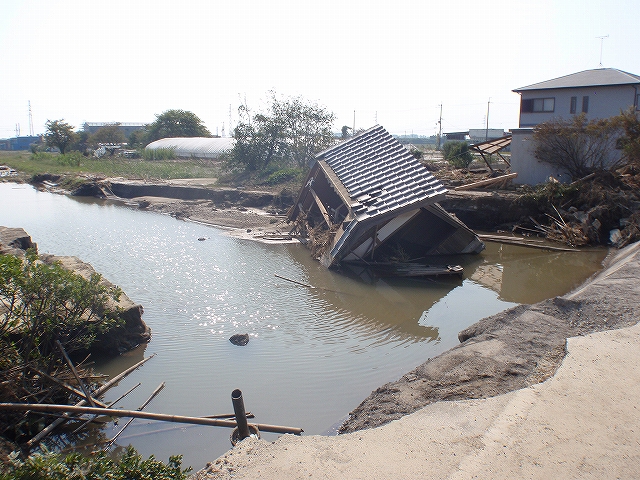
{"x": 393, "y": 63}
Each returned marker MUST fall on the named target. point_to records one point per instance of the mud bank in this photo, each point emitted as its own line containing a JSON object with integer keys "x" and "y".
{"x": 202, "y": 201}
{"x": 576, "y": 423}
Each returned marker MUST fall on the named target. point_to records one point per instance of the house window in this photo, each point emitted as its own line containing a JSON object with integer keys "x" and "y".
{"x": 535, "y": 105}
{"x": 574, "y": 105}
{"x": 585, "y": 104}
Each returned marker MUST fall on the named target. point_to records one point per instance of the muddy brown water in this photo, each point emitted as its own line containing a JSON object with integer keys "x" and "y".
{"x": 313, "y": 355}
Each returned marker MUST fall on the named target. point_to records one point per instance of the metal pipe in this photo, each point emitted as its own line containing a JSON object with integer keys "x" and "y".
{"x": 241, "y": 416}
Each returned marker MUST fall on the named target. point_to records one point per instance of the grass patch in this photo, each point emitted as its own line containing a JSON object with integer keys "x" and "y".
{"x": 74, "y": 163}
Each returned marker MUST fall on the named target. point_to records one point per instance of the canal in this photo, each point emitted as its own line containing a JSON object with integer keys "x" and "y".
{"x": 313, "y": 354}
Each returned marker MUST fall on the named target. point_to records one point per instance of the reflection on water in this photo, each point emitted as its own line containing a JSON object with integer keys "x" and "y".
{"x": 313, "y": 354}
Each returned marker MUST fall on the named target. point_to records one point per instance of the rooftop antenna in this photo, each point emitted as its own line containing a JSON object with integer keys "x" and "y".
{"x": 30, "y": 120}
{"x": 486, "y": 132}
{"x": 601, "y": 42}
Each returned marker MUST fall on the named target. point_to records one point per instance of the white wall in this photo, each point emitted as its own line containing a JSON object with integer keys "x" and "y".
{"x": 603, "y": 102}
{"x": 529, "y": 169}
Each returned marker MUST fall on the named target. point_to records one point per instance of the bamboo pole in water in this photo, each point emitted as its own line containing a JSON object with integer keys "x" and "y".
{"x": 147, "y": 415}
{"x": 49, "y": 428}
{"x": 140, "y": 408}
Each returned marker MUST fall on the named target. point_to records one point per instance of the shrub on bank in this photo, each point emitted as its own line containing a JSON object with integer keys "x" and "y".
{"x": 128, "y": 466}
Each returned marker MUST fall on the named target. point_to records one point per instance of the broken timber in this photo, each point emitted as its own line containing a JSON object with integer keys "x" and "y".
{"x": 376, "y": 202}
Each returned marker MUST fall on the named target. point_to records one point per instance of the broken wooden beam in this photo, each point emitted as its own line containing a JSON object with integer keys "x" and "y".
{"x": 486, "y": 182}
{"x": 522, "y": 242}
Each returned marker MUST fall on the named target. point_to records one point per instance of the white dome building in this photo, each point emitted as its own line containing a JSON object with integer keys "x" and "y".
{"x": 196, "y": 147}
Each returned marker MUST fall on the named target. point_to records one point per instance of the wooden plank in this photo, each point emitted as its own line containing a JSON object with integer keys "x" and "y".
{"x": 320, "y": 205}
{"x": 524, "y": 243}
{"x": 484, "y": 183}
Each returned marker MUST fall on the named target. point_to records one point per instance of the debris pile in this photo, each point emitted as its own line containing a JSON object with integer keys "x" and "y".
{"x": 600, "y": 209}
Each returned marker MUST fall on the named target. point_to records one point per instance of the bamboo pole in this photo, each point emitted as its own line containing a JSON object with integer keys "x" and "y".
{"x": 49, "y": 428}
{"x": 310, "y": 286}
{"x": 68, "y": 387}
{"x": 147, "y": 415}
{"x": 75, "y": 374}
{"x": 294, "y": 281}
{"x": 140, "y": 408}
{"x": 93, "y": 418}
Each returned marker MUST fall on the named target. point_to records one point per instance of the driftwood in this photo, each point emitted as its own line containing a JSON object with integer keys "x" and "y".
{"x": 484, "y": 183}
{"x": 147, "y": 415}
{"x": 49, "y": 428}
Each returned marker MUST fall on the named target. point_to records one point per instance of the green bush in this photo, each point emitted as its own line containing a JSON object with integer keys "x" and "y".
{"x": 457, "y": 154}
{"x": 129, "y": 466}
{"x": 43, "y": 303}
{"x": 159, "y": 154}
{"x": 283, "y": 175}
{"x": 71, "y": 159}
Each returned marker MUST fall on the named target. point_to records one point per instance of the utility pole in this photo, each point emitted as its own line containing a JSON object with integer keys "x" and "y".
{"x": 601, "y": 42}
{"x": 353, "y": 132}
{"x": 439, "y": 128}
{"x": 30, "y": 120}
{"x": 486, "y": 132}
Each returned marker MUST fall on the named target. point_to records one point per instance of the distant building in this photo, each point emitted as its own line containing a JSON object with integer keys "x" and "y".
{"x": 19, "y": 143}
{"x": 599, "y": 93}
{"x": 456, "y": 136}
{"x": 477, "y": 135}
{"x": 126, "y": 128}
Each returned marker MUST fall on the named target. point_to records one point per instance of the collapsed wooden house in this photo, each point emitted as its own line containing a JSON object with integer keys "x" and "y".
{"x": 367, "y": 199}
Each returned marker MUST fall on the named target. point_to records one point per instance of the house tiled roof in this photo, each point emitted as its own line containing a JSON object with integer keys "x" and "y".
{"x": 380, "y": 175}
{"x": 587, "y": 78}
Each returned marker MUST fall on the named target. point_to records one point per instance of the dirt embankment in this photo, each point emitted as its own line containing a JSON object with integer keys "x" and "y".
{"x": 598, "y": 210}
{"x": 511, "y": 350}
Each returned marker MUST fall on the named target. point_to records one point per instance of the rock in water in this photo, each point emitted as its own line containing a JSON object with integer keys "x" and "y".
{"x": 240, "y": 339}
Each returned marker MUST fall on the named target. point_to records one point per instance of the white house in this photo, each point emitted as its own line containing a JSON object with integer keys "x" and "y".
{"x": 599, "y": 93}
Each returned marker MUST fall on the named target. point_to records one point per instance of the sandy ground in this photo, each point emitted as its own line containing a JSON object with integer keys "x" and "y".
{"x": 582, "y": 422}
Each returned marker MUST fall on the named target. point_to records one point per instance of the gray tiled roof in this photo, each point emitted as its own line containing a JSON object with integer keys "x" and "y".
{"x": 587, "y": 78}
{"x": 380, "y": 175}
